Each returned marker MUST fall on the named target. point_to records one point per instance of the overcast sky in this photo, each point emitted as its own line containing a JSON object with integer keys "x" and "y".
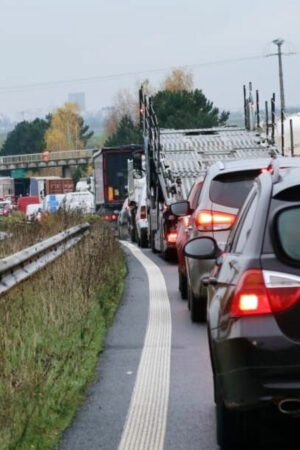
{"x": 55, "y": 40}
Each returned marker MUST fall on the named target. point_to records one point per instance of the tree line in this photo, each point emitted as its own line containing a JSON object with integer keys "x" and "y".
{"x": 177, "y": 105}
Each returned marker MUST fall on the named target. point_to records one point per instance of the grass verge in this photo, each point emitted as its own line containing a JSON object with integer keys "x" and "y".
{"x": 51, "y": 332}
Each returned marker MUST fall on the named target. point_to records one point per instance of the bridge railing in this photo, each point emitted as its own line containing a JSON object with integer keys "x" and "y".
{"x": 52, "y": 156}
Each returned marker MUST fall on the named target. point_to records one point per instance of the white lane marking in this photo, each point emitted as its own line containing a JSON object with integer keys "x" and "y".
{"x": 146, "y": 420}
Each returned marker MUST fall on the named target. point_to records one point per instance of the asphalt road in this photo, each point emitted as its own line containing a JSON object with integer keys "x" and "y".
{"x": 176, "y": 402}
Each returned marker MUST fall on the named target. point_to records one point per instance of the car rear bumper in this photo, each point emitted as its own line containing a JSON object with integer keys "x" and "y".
{"x": 252, "y": 387}
{"x": 263, "y": 367}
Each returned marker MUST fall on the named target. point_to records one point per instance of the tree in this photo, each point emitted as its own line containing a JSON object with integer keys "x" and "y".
{"x": 26, "y": 137}
{"x": 125, "y": 104}
{"x": 186, "y": 109}
{"x": 179, "y": 80}
{"x": 85, "y": 133}
{"x": 67, "y": 130}
{"x": 126, "y": 133}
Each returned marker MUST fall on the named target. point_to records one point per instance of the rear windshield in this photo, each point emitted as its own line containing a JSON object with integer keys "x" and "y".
{"x": 231, "y": 189}
{"x": 288, "y": 229}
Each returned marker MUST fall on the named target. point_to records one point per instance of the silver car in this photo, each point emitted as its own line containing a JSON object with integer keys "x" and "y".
{"x": 225, "y": 188}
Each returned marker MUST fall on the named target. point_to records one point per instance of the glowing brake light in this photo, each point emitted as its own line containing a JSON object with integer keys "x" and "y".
{"x": 250, "y": 297}
{"x": 267, "y": 169}
{"x": 171, "y": 238}
{"x": 214, "y": 220}
{"x": 248, "y": 302}
{"x": 114, "y": 217}
{"x": 107, "y": 217}
{"x": 262, "y": 292}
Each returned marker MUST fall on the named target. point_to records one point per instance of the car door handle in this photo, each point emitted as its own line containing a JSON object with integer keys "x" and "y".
{"x": 209, "y": 280}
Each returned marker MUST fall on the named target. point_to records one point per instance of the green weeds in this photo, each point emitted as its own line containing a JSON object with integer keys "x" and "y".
{"x": 51, "y": 332}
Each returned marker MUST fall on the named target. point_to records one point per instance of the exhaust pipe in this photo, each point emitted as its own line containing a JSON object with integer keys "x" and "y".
{"x": 289, "y": 406}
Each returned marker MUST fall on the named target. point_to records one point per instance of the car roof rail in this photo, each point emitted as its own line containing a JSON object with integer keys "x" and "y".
{"x": 274, "y": 168}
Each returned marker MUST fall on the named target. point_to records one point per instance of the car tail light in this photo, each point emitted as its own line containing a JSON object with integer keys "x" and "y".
{"x": 283, "y": 290}
{"x": 114, "y": 217}
{"x": 267, "y": 169}
{"x": 143, "y": 212}
{"x": 262, "y": 292}
{"x": 107, "y": 217}
{"x": 250, "y": 297}
{"x": 214, "y": 220}
{"x": 171, "y": 238}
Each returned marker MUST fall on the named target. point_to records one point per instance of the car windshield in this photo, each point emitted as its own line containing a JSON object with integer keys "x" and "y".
{"x": 231, "y": 189}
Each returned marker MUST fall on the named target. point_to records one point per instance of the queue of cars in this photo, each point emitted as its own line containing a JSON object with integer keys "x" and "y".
{"x": 238, "y": 245}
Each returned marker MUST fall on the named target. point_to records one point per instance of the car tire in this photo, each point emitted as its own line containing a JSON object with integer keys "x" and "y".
{"x": 152, "y": 242}
{"x": 132, "y": 234}
{"x": 197, "y": 307}
{"x": 143, "y": 240}
{"x": 182, "y": 285}
{"x": 236, "y": 430}
{"x": 166, "y": 255}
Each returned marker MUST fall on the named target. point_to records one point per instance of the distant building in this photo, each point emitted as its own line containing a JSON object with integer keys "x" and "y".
{"x": 79, "y": 98}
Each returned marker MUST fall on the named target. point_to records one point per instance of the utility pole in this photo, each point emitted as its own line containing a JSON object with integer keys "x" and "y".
{"x": 279, "y": 42}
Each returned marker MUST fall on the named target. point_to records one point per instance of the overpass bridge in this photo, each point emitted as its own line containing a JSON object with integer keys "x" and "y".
{"x": 63, "y": 158}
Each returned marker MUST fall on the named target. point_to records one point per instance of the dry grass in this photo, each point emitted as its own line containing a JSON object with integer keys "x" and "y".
{"x": 22, "y": 234}
{"x": 51, "y": 332}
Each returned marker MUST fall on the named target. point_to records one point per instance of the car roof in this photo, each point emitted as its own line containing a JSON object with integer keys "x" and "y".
{"x": 251, "y": 164}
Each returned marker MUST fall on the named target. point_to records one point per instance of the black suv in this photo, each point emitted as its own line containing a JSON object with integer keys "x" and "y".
{"x": 253, "y": 310}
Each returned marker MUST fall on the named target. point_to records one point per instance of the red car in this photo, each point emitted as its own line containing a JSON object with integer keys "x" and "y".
{"x": 183, "y": 237}
{"x": 28, "y": 200}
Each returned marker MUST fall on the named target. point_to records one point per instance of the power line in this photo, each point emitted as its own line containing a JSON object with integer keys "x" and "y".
{"x": 99, "y": 78}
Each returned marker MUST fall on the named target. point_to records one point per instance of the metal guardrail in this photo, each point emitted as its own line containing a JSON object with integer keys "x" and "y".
{"x": 19, "y": 266}
{"x": 53, "y": 156}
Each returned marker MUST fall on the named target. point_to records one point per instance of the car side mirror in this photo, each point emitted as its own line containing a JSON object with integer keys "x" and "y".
{"x": 180, "y": 208}
{"x": 202, "y": 248}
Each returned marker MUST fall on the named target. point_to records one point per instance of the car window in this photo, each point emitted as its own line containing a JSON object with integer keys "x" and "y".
{"x": 231, "y": 189}
{"x": 244, "y": 226}
{"x": 288, "y": 229}
{"x": 195, "y": 194}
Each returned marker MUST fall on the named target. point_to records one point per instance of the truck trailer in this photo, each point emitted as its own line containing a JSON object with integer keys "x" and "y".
{"x": 42, "y": 186}
{"x": 176, "y": 158}
{"x": 110, "y": 178}
{"x": 7, "y": 188}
